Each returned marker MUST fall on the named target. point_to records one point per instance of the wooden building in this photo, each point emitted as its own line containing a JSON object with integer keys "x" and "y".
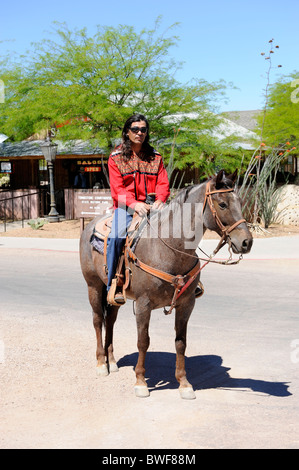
{"x": 26, "y": 167}
{"x": 78, "y": 165}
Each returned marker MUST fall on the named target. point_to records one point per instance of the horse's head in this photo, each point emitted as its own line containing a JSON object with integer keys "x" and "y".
{"x": 223, "y": 214}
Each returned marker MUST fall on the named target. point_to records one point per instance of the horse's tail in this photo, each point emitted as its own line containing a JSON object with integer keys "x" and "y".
{"x": 104, "y": 304}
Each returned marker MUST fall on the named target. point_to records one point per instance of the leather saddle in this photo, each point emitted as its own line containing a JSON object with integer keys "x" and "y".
{"x": 103, "y": 226}
{"x": 123, "y": 273}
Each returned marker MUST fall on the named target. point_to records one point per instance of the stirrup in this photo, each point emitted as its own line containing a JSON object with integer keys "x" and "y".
{"x": 119, "y": 299}
{"x": 114, "y": 297}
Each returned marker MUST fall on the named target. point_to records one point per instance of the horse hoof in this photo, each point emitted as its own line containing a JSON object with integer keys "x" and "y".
{"x": 187, "y": 393}
{"x": 102, "y": 371}
{"x": 113, "y": 367}
{"x": 141, "y": 391}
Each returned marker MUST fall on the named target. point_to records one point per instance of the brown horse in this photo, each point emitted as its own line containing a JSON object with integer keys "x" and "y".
{"x": 169, "y": 246}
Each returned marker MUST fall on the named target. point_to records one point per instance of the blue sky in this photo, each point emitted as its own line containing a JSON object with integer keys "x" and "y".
{"x": 218, "y": 39}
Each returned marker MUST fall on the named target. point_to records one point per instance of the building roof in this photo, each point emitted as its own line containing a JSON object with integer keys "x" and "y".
{"x": 3, "y": 137}
{"x": 245, "y": 138}
{"x": 32, "y": 148}
{"x": 247, "y": 119}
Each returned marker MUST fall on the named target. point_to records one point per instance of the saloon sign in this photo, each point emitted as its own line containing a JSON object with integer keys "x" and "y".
{"x": 90, "y": 166}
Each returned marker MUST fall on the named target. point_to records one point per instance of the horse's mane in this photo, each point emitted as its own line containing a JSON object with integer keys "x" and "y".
{"x": 193, "y": 193}
{"x": 182, "y": 196}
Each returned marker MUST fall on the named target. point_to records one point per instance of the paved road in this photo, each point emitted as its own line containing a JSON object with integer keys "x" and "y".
{"x": 263, "y": 248}
{"x": 242, "y": 357}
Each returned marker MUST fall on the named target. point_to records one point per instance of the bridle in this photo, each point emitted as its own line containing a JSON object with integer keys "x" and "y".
{"x": 224, "y": 229}
{"x": 182, "y": 282}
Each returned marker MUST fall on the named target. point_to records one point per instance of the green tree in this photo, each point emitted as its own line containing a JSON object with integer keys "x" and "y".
{"x": 95, "y": 83}
{"x": 281, "y": 122}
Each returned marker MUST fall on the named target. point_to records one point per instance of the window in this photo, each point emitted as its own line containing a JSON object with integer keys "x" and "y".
{"x": 5, "y": 167}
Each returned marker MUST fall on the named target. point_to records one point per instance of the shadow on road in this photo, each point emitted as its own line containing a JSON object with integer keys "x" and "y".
{"x": 203, "y": 372}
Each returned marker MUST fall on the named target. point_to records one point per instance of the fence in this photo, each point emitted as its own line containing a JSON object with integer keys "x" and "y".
{"x": 22, "y": 206}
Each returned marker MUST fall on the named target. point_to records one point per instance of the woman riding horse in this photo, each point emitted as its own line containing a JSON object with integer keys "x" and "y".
{"x": 164, "y": 270}
{"x": 135, "y": 171}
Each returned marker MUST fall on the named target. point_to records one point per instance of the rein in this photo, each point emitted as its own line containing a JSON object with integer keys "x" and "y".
{"x": 182, "y": 282}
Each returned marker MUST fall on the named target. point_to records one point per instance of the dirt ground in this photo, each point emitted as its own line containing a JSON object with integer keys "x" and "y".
{"x": 71, "y": 229}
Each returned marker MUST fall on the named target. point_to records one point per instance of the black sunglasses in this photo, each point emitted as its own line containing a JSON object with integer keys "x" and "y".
{"x": 136, "y": 129}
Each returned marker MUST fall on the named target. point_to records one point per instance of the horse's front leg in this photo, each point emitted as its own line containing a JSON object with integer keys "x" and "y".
{"x": 182, "y": 315}
{"x": 143, "y": 314}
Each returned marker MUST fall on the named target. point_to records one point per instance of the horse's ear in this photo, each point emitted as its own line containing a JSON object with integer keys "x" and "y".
{"x": 233, "y": 176}
{"x": 219, "y": 179}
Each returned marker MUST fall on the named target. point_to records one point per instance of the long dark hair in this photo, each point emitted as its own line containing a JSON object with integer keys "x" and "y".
{"x": 147, "y": 149}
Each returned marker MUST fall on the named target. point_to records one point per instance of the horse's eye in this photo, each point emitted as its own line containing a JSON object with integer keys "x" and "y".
{"x": 222, "y": 205}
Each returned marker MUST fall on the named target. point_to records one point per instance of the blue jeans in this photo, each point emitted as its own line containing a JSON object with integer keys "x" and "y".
{"x": 117, "y": 237}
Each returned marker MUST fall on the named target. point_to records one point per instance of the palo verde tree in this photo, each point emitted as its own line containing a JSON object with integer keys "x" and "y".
{"x": 281, "y": 122}
{"x": 94, "y": 83}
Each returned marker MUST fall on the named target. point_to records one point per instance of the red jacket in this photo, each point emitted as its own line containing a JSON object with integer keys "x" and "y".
{"x": 131, "y": 181}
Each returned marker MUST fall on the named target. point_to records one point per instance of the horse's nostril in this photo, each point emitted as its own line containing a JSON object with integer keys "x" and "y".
{"x": 246, "y": 245}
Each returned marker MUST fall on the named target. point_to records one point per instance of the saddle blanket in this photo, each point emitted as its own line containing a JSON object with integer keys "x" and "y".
{"x": 97, "y": 243}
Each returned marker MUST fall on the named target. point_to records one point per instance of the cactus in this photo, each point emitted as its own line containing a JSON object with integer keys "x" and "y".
{"x": 37, "y": 223}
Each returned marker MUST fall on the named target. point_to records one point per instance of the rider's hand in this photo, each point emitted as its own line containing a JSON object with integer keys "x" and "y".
{"x": 141, "y": 208}
{"x": 157, "y": 205}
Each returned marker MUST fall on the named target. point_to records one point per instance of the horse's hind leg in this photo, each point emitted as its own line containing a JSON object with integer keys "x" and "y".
{"x": 103, "y": 316}
{"x": 110, "y": 320}
{"x": 181, "y": 320}
{"x": 95, "y": 299}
